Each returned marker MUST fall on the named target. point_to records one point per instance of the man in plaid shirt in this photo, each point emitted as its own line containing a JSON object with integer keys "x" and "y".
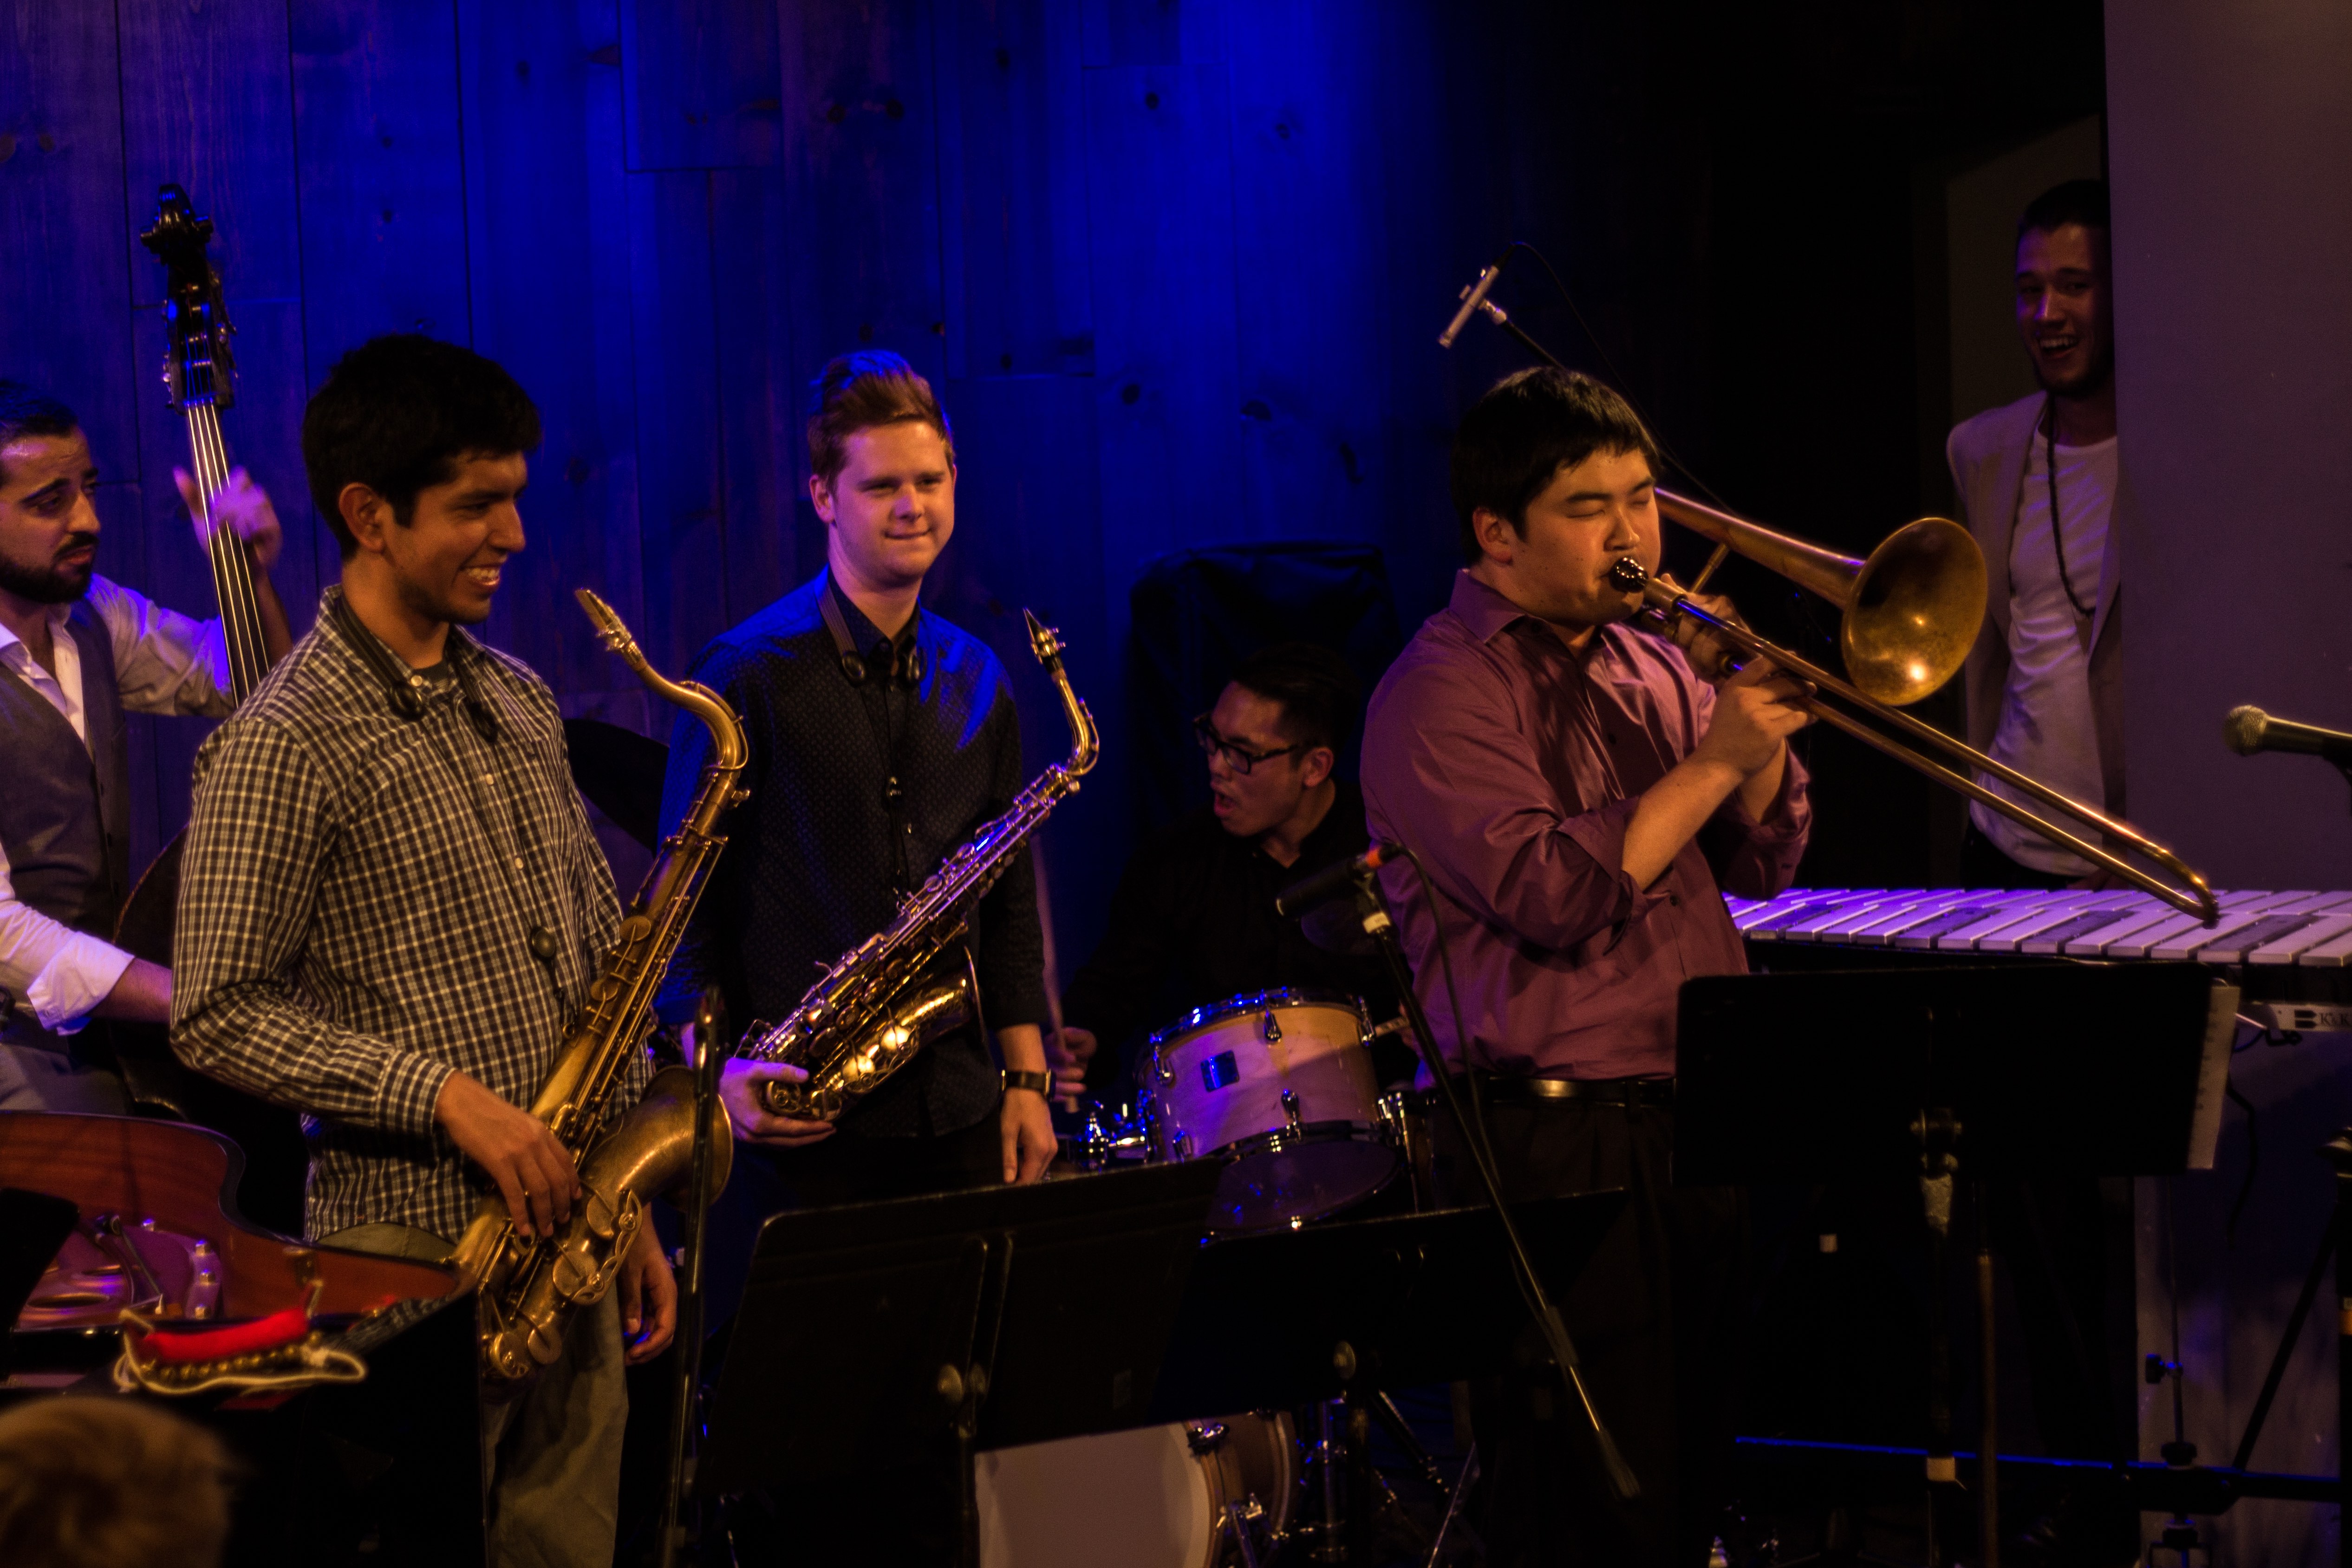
{"x": 391, "y": 903}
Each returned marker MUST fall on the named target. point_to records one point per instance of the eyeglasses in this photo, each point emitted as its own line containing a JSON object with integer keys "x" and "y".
{"x": 1240, "y": 758}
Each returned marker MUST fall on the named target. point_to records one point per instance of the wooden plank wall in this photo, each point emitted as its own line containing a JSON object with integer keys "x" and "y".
{"x": 1175, "y": 266}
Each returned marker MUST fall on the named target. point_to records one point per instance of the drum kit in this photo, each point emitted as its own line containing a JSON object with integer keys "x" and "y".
{"x": 1279, "y": 1086}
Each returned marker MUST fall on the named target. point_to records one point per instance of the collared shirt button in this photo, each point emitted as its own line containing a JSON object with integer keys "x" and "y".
{"x": 487, "y": 778}
{"x": 518, "y": 862}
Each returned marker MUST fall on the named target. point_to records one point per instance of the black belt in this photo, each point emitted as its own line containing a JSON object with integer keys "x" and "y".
{"x": 1638, "y": 1091}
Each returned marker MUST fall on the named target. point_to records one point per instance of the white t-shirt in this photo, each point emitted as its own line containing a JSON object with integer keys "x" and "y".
{"x": 2046, "y": 729}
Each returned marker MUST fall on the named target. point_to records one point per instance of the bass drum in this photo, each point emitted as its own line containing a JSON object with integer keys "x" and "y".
{"x": 1158, "y": 1496}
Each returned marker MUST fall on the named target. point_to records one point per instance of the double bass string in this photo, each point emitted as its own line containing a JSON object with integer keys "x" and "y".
{"x": 232, "y": 568}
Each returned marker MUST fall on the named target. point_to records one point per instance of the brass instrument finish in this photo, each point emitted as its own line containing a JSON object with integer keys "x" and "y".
{"x": 1911, "y": 610}
{"x": 1911, "y": 613}
{"x": 530, "y": 1286}
{"x": 912, "y": 982}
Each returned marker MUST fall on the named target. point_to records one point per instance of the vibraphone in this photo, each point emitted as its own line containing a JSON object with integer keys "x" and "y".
{"x": 2290, "y": 953}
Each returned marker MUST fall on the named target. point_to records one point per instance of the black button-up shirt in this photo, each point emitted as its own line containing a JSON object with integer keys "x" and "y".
{"x": 816, "y": 858}
{"x": 1193, "y": 923}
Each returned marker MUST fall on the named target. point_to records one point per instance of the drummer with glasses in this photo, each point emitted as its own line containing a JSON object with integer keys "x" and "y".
{"x": 1193, "y": 921}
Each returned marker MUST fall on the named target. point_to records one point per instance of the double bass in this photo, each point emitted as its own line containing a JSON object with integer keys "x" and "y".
{"x": 200, "y": 381}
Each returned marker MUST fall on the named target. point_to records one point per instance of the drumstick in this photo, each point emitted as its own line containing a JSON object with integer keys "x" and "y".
{"x": 1053, "y": 967}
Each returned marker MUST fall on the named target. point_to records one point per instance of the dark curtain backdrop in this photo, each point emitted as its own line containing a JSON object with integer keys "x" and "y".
{"x": 1177, "y": 267}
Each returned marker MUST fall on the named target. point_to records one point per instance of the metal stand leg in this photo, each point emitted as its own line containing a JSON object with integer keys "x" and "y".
{"x": 1362, "y": 1484}
{"x": 2339, "y": 1152}
{"x": 1328, "y": 1547}
{"x": 1937, "y": 1130}
{"x": 677, "y": 1532}
{"x": 1988, "y": 1398}
{"x": 1454, "y": 1506}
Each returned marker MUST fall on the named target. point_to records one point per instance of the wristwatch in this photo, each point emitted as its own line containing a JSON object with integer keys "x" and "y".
{"x": 1035, "y": 1083}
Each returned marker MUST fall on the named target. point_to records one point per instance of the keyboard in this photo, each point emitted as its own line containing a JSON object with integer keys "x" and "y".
{"x": 2289, "y": 953}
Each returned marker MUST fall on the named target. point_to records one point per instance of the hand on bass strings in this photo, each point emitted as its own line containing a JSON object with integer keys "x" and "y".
{"x": 739, "y": 1088}
{"x": 534, "y": 1171}
{"x": 242, "y": 507}
{"x": 648, "y": 1298}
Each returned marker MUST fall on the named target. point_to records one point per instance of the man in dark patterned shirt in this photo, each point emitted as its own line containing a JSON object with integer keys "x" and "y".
{"x": 881, "y": 737}
{"x": 391, "y": 902}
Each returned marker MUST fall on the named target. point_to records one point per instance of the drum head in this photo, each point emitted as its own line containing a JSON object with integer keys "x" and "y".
{"x": 1124, "y": 1499}
{"x": 1251, "y": 1002}
{"x": 1288, "y": 1179}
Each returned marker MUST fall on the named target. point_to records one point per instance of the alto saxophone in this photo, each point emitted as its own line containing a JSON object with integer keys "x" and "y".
{"x": 528, "y": 1288}
{"x": 900, "y": 990}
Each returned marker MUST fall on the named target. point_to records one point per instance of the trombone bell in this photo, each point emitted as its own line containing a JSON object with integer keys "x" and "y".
{"x": 1910, "y": 611}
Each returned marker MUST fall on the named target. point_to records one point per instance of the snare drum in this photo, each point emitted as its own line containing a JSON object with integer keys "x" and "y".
{"x": 1161, "y": 1497}
{"x": 1282, "y": 1081}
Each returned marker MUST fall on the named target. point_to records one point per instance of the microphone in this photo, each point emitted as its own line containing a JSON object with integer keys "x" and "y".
{"x": 2249, "y": 729}
{"x": 1472, "y": 298}
{"x": 1332, "y": 881}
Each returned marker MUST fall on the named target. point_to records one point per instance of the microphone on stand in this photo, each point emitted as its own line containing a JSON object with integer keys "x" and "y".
{"x": 2250, "y": 729}
{"x": 1332, "y": 881}
{"x": 1472, "y": 298}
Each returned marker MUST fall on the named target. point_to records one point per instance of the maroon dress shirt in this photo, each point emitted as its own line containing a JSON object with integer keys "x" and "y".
{"x": 1511, "y": 764}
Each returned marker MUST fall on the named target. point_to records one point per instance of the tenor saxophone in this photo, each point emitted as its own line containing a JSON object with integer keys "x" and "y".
{"x": 908, "y": 984}
{"x": 528, "y": 1288}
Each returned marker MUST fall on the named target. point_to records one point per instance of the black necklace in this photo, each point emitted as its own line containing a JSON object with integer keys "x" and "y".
{"x": 2057, "y": 532}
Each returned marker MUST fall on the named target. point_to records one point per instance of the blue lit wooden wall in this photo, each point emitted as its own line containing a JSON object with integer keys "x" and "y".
{"x": 1176, "y": 265}
{"x": 1172, "y": 268}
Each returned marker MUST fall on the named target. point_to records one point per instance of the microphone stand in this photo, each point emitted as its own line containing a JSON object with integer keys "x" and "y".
{"x": 683, "y": 1426}
{"x": 1372, "y": 912}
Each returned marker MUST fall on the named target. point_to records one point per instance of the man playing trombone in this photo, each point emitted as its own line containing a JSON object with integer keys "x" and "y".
{"x": 1580, "y": 797}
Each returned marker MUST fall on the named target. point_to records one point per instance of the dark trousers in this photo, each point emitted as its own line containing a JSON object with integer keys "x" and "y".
{"x": 907, "y": 1514}
{"x": 1657, "y": 1317}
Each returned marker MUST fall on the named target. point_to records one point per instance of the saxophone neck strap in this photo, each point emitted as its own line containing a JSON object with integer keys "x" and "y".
{"x": 904, "y": 662}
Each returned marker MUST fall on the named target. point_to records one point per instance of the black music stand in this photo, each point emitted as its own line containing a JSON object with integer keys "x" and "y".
{"x": 2001, "y": 1072}
{"x": 1395, "y": 1302}
{"x": 870, "y": 1334}
{"x": 875, "y": 1335}
{"x": 1366, "y": 1306}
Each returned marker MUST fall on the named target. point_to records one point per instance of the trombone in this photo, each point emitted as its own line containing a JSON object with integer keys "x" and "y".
{"x": 1910, "y": 614}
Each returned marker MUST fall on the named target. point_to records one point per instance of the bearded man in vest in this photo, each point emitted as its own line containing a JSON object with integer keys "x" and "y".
{"x": 77, "y": 652}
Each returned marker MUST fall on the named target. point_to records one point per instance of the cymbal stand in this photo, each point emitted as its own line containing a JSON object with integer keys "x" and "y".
{"x": 1937, "y": 1131}
{"x": 1453, "y": 1507}
{"x": 677, "y": 1531}
{"x": 1349, "y": 1488}
{"x": 1392, "y": 1420}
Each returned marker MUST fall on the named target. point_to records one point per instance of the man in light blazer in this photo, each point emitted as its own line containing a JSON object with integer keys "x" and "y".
{"x": 2044, "y": 683}
{"x": 2044, "y": 687}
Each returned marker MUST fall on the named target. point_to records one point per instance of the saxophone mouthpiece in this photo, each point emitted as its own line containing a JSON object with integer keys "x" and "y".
{"x": 1043, "y": 641}
{"x": 610, "y": 628}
